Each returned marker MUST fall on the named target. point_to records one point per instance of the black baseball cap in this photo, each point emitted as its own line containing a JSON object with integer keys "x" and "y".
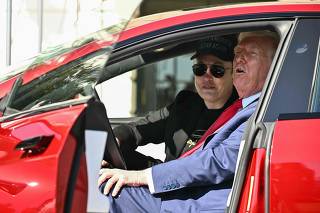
{"x": 220, "y": 46}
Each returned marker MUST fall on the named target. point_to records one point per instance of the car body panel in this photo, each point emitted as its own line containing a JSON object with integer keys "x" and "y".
{"x": 252, "y": 197}
{"x": 294, "y": 166}
{"x": 80, "y": 194}
{"x": 52, "y": 166}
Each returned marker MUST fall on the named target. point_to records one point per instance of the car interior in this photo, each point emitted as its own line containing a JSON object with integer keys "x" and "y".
{"x": 140, "y": 61}
{"x": 147, "y": 57}
{"x": 167, "y": 54}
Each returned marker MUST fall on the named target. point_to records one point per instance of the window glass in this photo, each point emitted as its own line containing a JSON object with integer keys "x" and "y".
{"x": 149, "y": 88}
{"x": 71, "y": 81}
{"x": 291, "y": 93}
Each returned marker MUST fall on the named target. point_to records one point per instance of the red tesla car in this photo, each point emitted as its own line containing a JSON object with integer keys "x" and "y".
{"x": 54, "y": 126}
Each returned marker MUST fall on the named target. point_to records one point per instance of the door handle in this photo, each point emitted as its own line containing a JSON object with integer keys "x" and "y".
{"x": 35, "y": 145}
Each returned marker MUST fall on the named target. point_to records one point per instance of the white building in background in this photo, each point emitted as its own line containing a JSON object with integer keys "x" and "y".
{"x": 38, "y": 24}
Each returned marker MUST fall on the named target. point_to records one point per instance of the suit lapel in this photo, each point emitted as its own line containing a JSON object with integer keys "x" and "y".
{"x": 221, "y": 134}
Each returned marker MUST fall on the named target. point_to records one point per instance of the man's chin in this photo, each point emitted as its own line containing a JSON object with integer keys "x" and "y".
{"x": 239, "y": 82}
{"x": 209, "y": 95}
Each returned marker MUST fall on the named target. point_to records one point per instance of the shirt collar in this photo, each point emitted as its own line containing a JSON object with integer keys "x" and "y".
{"x": 250, "y": 99}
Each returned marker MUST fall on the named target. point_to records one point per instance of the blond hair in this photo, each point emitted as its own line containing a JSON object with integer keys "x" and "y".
{"x": 273, "y": 36}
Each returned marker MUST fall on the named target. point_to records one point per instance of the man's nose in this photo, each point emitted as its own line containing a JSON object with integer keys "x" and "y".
{"x": 239, "y": 57}
{"x": 208, "y": 71}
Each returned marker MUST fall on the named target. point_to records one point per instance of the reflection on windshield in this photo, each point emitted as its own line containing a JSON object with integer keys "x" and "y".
{"x": 62, "y": 73}
{"x": 106, "y": 35}
{"x": 71, "y": 81}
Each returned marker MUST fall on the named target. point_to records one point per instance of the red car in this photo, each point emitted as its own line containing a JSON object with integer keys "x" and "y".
{"x": 54, "y": 126}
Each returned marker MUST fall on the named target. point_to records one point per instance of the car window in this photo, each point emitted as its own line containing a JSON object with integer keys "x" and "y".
{"x": 291, "y": 93}
{"x": 65, "y": 72}
{"x": 148, "y": 88}
{"x": 71, "y": 81}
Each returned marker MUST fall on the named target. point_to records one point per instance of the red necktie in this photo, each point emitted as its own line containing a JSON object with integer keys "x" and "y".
{"x": 226, "y": 115}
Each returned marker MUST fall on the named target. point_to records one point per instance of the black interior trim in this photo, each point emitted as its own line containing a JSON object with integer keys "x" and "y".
{"x": 97, "y": 119}
{"x": 299, "y": 116}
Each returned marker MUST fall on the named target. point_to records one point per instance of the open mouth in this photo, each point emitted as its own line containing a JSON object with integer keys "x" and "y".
{"x": 239, "y": 70}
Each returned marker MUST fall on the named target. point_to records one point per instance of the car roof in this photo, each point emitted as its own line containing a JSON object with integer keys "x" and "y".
{"x": 151, "y": 23}
{"x": 239, "y": 6}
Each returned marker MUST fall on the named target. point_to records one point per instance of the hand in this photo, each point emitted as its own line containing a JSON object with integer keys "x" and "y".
{"x": 120, "y": 178}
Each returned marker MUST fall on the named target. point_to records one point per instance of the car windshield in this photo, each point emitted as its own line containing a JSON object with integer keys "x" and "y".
{"x": 63, "y": 73}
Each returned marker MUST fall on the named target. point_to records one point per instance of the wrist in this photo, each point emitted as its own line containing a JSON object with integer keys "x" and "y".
{"x": 143, "y": 177}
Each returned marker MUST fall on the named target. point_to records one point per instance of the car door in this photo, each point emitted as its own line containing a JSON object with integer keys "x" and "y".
{"x": 51, "y": 120}
{"x": 293, "y": 183}
{"x": 279, "y": 165}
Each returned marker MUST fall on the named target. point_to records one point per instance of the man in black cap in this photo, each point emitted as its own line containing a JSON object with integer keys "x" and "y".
{"x": 183, "y": 122}
{"x": 201, "y": 181}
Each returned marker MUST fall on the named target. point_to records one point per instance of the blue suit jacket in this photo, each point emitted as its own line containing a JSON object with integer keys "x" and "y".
{"x": 203, "y": 180}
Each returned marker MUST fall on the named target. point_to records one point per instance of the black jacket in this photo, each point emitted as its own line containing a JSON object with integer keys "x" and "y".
{"x": 174, "y": 125}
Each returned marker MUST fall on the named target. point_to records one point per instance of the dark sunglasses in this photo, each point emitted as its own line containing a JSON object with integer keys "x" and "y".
{"x": 215, "y": 70}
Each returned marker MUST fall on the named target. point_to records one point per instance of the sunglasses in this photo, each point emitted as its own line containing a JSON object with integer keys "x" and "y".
{"x": 215, "y": 70}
